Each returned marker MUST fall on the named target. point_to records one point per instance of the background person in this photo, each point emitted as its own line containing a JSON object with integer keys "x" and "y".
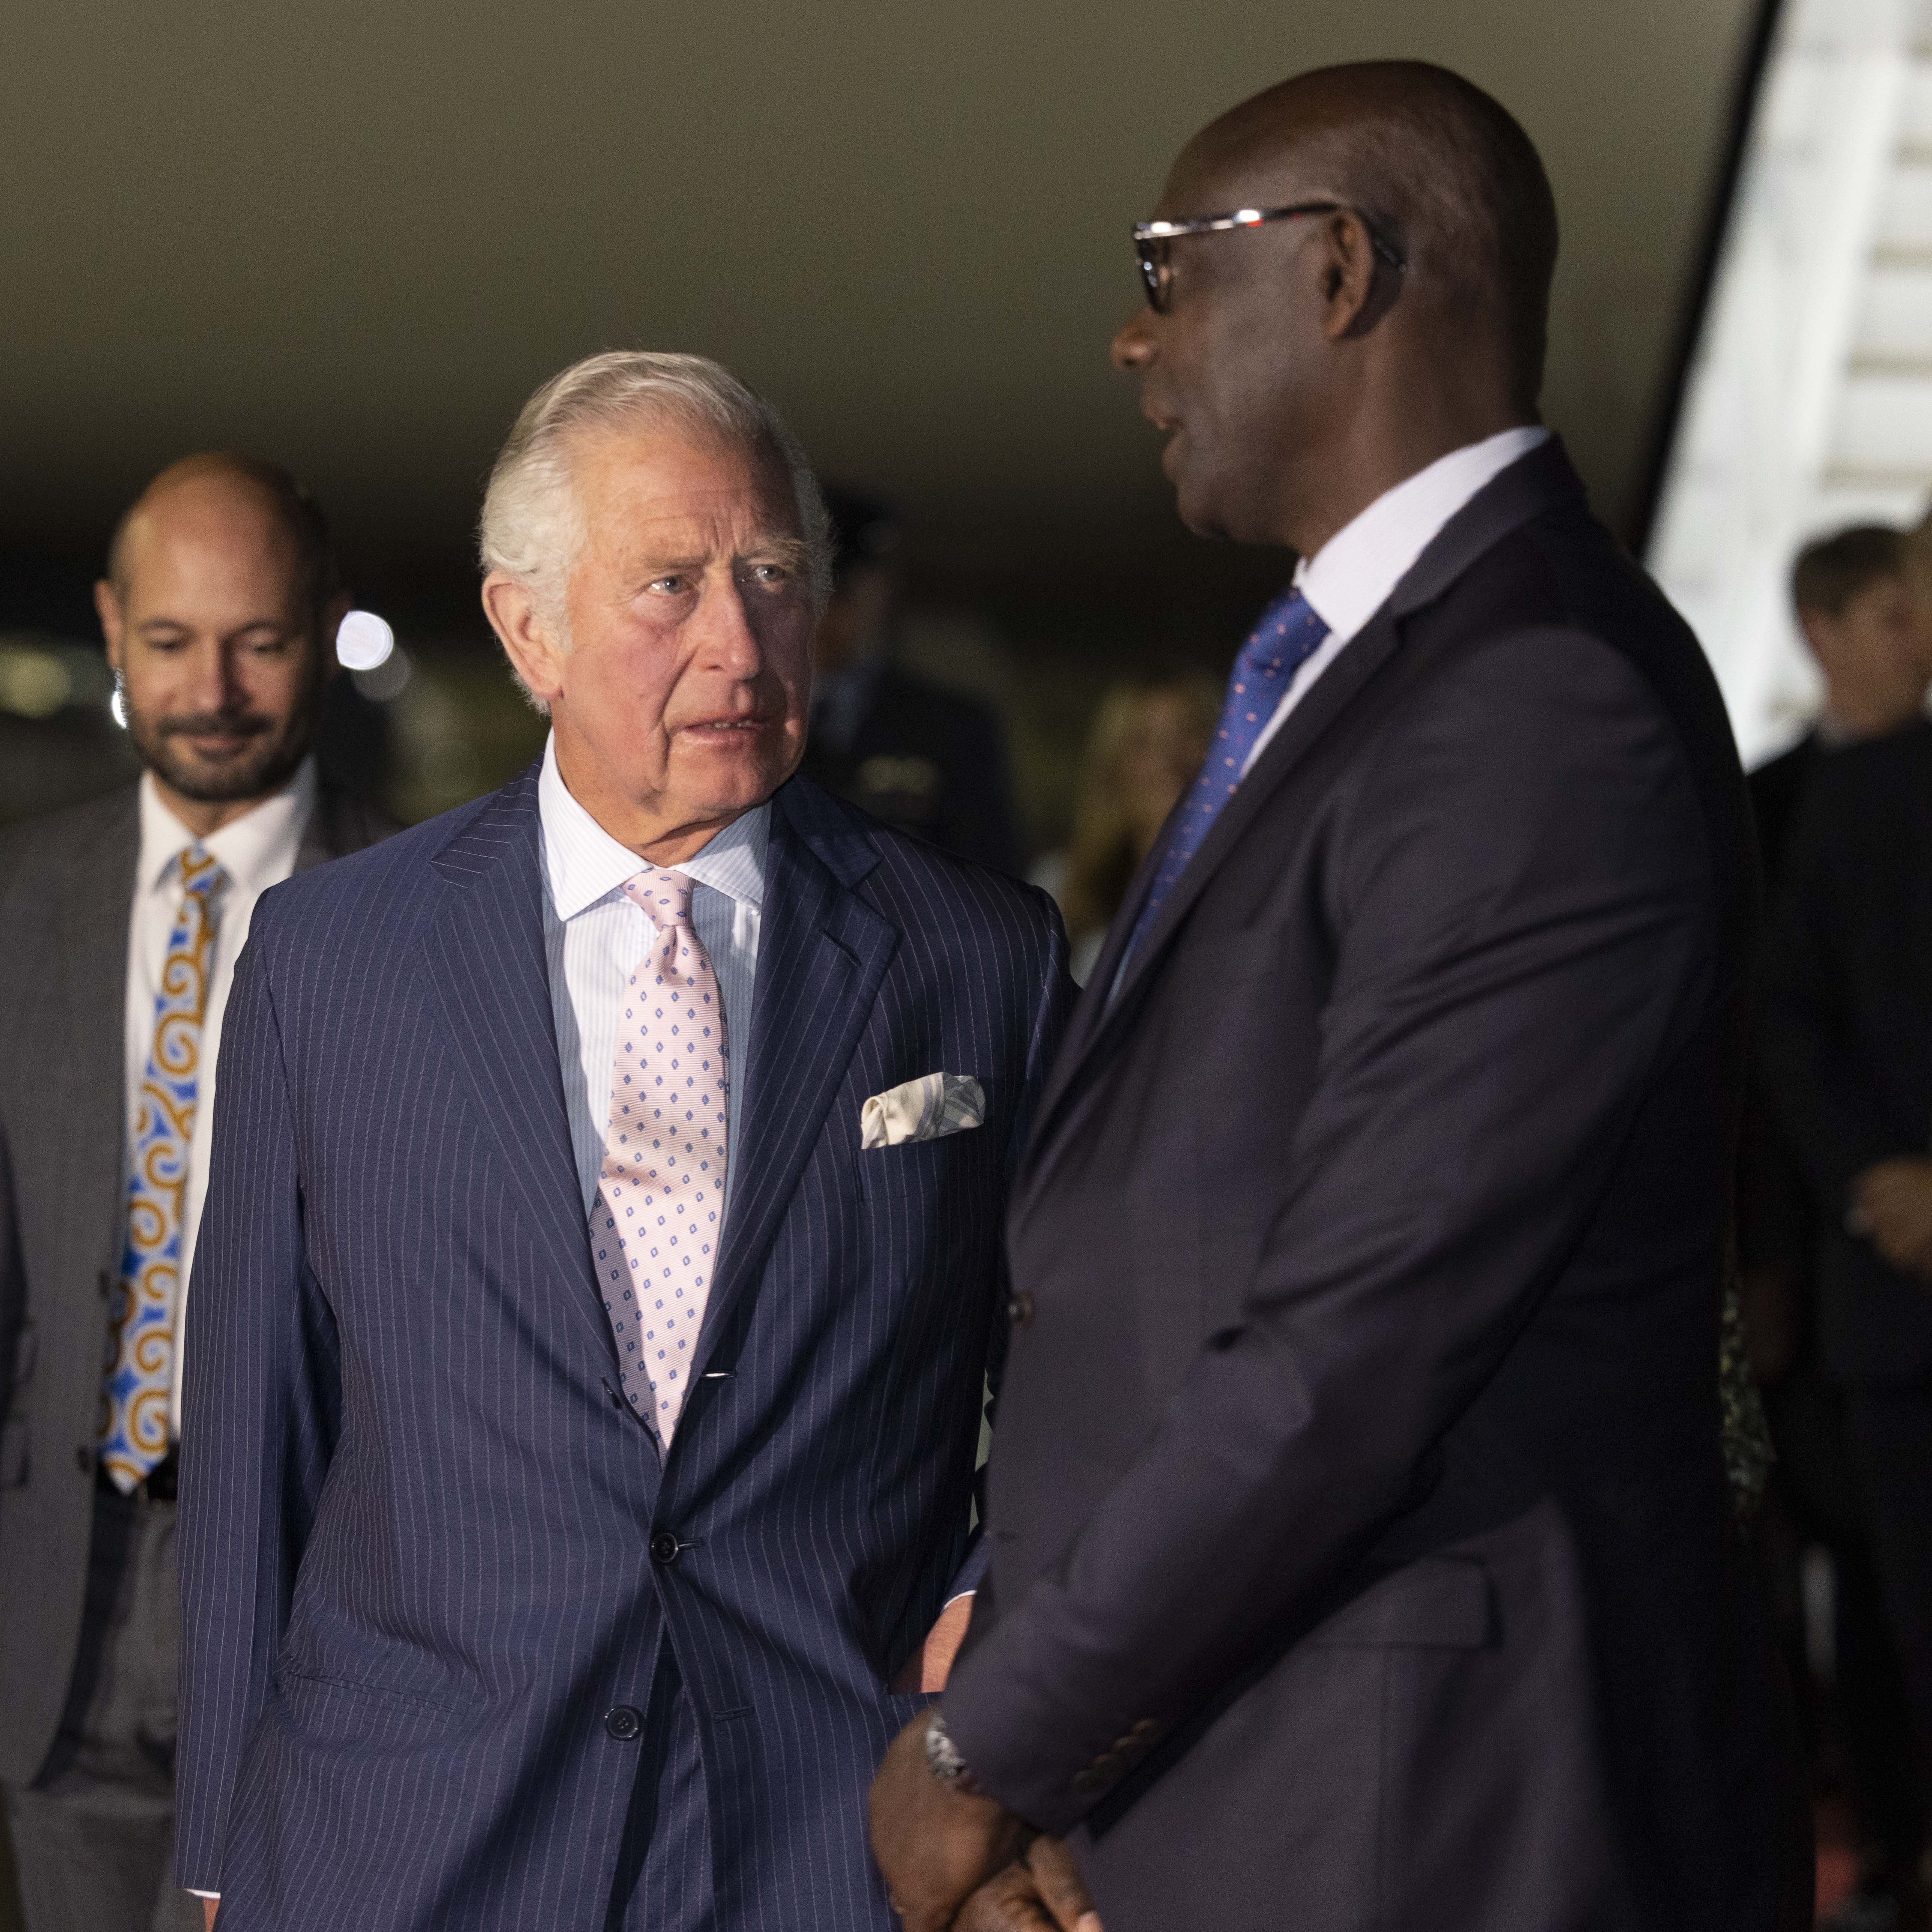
{"x": 1864, "y": 628}
{"x": 1848, "y": 1063}
{"x": 608, "y": 1485}
{"x": 1147, "y": 743}
{"x": 930, "y": 762}
{"x": 1362, "y": 1545}
{"x": 219, "y": 608}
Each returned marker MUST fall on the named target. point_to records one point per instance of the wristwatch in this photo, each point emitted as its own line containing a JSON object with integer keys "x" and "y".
{"x": 943, "y": 1761}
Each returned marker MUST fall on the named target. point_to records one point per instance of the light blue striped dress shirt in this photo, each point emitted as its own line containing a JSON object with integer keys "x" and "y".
{"x": 594, "y": 937}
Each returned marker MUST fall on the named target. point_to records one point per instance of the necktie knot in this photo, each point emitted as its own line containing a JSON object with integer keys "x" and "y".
{"x": 663, "y": 897}
{"x": 1288, "y": 631}
{"x": 202, "y": 871}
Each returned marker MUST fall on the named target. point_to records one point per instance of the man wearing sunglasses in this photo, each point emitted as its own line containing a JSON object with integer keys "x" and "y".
{"x": 1363, "y": 1553}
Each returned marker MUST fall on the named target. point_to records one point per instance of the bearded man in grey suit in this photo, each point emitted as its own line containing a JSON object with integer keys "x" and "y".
{"x": 220, "y": 605}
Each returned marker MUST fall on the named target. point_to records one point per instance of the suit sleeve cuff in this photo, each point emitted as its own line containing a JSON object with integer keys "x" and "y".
{"x": 996, "y": 1722}
{"x": 973, "y": 1567}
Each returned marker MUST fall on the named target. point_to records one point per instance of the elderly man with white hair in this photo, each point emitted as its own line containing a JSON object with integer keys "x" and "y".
{"x": 602, "y": 1267}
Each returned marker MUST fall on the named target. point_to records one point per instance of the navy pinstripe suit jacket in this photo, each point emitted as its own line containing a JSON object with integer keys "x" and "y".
{"x": 417, "y": 1530}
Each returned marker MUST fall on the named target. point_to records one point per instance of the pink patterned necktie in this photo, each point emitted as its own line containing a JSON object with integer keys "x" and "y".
{"x": 661, "y": 1191}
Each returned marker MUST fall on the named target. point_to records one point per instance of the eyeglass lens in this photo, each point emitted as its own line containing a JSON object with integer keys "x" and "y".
{"x": 1153, "y": 256}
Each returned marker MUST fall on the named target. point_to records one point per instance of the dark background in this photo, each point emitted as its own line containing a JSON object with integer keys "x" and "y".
{"x": 353, "y": 239}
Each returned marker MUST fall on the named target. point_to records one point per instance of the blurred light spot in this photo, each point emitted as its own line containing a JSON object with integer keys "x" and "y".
{"x": 363, "y": 641}
{"x": 386, "y": 681}
{"x": 117, "y": 706}
{"x": 35, "y": 683}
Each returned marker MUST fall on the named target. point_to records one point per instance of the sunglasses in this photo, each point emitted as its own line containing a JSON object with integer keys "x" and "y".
{"x": 1151, "y": 240}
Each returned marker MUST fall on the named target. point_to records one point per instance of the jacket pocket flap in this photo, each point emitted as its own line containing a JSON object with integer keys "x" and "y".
{"x": 1441, "y": 1601}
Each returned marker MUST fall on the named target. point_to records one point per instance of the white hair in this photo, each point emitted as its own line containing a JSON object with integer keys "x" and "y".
{"x": 532, "y": 526}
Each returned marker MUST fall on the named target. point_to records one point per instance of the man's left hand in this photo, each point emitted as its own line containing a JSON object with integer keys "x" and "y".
{"x": 936, "y": 1847}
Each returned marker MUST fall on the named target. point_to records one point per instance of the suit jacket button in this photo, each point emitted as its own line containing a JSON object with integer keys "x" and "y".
{"x": 1019, "y": 1310}
{"x": 624, "y": 1722}
{"x": 664, "y": 1547}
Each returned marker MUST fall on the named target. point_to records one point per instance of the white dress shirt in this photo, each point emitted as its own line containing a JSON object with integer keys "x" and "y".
{"x": 256, "y": 851}
{"x": 594, "y": 937}
{"x": 1349, "y": 579}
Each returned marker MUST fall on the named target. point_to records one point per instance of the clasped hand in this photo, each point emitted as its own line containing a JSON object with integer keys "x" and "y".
{"x": 958, "y": 1863}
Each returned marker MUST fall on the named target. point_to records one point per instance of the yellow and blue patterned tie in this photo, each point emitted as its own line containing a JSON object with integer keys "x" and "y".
{"x": 140, "y": 1377}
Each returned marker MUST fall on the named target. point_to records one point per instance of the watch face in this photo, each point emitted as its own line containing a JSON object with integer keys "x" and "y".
{"x": 942, "y": 1755}
{"x": 942, "y": 1758}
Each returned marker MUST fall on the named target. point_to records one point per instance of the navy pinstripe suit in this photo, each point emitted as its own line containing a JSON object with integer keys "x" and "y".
{"x": 458, "y": 1654}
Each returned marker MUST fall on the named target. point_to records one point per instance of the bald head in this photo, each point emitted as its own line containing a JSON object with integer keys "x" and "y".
{"x": 246, "y": 489}
{"x": 1386, "y": 306}
{"x": 1443, "y": 171}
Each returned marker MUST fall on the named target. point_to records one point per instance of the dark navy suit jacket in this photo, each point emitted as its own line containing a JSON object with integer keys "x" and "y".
{"x": 1363, "y": 1552}
{"x": 429, "y": 1564}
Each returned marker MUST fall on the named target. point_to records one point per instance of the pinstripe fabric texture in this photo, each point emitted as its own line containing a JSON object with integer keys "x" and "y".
{"x": 417, "y": 1531}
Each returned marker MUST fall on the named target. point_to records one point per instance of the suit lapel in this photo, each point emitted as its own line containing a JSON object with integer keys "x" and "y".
{"x": 1102, "y": 1022}
{"x": 1364, "y": 655}
{"x": 489, "y": 984}
{"x": 94, "y": 922}
{"x": 822, "y": 953}
{"x": 1539, "y": 482}
{"x": 1090, "y": 1013}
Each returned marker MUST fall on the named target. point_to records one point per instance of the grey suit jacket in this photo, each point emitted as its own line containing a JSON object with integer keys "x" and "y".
{"x": 67, "y": 881}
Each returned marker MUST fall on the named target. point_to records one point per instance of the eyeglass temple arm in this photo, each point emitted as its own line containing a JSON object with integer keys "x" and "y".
{"x": 1148, "y": 231}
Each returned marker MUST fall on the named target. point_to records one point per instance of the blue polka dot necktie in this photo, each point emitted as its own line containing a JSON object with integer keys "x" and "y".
{"x": 1289, "y": 634}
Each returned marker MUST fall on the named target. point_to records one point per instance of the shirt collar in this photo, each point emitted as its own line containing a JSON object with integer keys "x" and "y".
{"x": 584, "y": 864}
{"x": 1349, "y": 579}
{"x": 256, "y": 851}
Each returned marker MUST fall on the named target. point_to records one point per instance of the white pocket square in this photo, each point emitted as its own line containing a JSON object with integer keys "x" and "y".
{"x": 922, "y": 1109}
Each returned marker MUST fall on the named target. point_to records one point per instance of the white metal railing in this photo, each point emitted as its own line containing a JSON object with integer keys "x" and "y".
{"x": 1808, "y": 404}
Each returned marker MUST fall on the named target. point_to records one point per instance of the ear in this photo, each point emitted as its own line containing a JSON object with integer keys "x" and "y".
{"x": 525, "y": 636}
{"x": 1357, "y": 287}
{"x": 113, "y": 628}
